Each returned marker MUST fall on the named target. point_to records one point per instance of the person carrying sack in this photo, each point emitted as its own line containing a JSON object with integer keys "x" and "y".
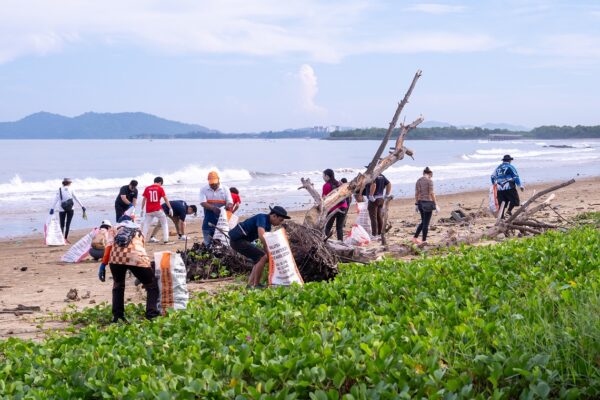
{"x": 126, "y": 252}
{"x": 64, "y": 201}
{"x": 425, "y": 203}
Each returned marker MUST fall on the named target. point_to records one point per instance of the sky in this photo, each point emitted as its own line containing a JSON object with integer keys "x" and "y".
{"x": 257, "y": 65}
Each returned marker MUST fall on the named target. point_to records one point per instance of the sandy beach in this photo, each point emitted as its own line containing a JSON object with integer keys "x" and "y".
{"x": 32, "y": 274}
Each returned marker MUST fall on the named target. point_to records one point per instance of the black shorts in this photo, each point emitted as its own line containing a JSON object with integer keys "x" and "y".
{"x": 247, "y": 249}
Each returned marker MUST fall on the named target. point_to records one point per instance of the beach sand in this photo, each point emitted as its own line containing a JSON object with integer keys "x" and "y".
{"x": 32, "y": 275}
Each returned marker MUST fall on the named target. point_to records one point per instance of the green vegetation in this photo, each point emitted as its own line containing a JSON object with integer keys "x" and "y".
{"x": 516, "y": 320}
{"x": 542, "y": 132}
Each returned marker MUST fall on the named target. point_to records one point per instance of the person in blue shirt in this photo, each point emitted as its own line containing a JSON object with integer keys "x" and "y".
{"x": 506, "y": 178}
{"x": 246, "y": 232}
{"x": 181, "y": 210}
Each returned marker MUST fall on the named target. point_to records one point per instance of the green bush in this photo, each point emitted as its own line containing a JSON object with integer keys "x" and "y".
{"x": 516, "y": 320}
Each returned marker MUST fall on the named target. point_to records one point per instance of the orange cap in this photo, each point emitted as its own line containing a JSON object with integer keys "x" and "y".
{"x": 213, "y": 177}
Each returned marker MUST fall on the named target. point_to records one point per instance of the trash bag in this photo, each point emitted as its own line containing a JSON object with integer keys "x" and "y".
{"x": 358, "y": 236}
{"x": 222, "y": 228}
{"x": 52, "y": 233}
{"x": 81, "y": 249}
{"x": 363, "y": 218}
{"x": 282, "y": 266}
{"x": 170, "y": 273}
{"x": 494, "y": 206}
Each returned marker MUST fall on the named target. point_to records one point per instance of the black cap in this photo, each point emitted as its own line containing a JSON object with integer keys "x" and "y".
{"x": 427, "y": 170}
{"x": 507, "y": 157}
{"x": 280, "y": 211}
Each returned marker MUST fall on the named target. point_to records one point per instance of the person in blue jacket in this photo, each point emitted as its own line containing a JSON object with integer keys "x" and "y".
{"x": 507, "y": 179}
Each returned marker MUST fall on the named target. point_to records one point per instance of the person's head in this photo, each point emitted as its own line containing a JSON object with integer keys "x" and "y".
{"x": 427, "y": 172}
{"x": 133, "y": 184}
{"x": 329, "y": 176}
{"x": 234, "y": 190}
{"x": 158, "y": 180}
{"x": 192, "y": 209}
{"x": 344, "y": 180}
{"x": 213, "y": 180}
{"x": 66, "y": 181}
{"x": 277, "y": 215}
{"x": 105, "y": 224}
{"x": 507, "y": 158}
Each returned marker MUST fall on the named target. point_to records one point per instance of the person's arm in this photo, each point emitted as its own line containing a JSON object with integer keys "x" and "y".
{"x": 55, "y": 202}
{"x": 516, "y": 177}
{"x": 125, "y": 200}
{"x": 261, "y": 236}
{"x": 106, "y": 256}
{"x": 143, "y": 208}
{"x": 134, "y": 198}
{"x": 228, "y": 199}
{"x": 235, "y": 207}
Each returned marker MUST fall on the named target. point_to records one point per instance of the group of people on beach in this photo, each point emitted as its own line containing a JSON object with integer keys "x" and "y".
{"x": 122, "y": 247}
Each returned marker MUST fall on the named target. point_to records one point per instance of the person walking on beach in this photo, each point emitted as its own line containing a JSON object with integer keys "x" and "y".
{"x": 376, "y": 198}
{"x": 64, "y": 202}
{"x": 126, "y": 252}
{"x": 506, "y": 178}
{"x": 180, "y": 211}
{"x": 425, "y": 203}
{"x": 151, "y": 201}
{"x": 246, "y": 232}
{"x": 340, "y": 209}
{"x": 126, "y": 198}
{"x": 213, "y": 197}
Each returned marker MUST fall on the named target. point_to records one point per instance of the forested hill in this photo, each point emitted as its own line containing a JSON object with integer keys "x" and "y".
{"x": 542, "y": 132}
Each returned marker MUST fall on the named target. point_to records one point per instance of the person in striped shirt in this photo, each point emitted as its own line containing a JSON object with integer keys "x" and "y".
{"x": 214, "y": 198}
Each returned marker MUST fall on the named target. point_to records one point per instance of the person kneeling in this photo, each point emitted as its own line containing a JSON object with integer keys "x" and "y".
{"x": 126, "y": 252}
{"x": 246, "y": 232}
{"x": 100, "y": 240}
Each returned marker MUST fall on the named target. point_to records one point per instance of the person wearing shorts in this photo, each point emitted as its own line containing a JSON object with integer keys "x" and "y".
{"x": 246, "y": 232}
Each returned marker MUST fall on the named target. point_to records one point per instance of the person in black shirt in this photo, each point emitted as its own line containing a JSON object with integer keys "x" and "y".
{"x": 127, "y": 198}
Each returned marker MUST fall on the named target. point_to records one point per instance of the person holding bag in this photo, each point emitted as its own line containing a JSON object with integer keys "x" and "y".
{"x": 425, "y": 203}
{"x": 65, "y": 201}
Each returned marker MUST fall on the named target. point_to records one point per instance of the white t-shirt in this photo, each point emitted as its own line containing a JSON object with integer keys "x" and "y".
{"x": 67, "y": 193}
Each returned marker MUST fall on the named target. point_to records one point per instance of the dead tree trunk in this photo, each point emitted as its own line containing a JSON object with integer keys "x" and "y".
{"x": 317, "y": 215}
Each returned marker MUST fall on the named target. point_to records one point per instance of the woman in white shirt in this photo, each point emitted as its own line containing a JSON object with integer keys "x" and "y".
{"x": 64, "y": 203}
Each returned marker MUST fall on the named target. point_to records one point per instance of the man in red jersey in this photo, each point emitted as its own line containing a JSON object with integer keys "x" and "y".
{"x": 151, "y": 205}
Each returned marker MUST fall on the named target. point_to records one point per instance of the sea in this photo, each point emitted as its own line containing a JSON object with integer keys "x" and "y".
{"x": 266, "y": 172}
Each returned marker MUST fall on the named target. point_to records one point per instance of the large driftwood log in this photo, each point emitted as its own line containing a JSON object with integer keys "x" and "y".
{"x": 522, "y": 219}
{"x": 316, "y": 217}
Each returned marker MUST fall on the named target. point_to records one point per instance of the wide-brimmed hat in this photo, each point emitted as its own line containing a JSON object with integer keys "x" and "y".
{"x": 213, "y": 177}
{"x": 507, "y": 157}
{"x": 280, "y": 211}
{"x": 66, "y": 180}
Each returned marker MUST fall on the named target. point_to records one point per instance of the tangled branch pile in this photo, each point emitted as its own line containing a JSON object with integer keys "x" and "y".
{"x": 214, "y": 261}
{"x": 315, "y": 260}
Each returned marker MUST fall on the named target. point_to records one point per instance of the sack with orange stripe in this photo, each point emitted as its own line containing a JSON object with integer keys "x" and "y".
{"x": 222, "y": 228}
{"x": 170, "y": 274}
{"x": 282, "y": 266}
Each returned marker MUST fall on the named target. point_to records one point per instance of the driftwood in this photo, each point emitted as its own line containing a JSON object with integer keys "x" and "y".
{"x": 386, "y": 206}
{"x": 317, "y": 215}
{"x": 522, "y": 220}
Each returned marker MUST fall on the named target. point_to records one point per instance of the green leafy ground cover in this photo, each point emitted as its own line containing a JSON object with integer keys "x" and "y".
{"x": 516, "y": 320}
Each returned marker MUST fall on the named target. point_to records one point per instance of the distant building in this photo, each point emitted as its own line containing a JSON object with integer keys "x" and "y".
{"x": 502, "y": 136}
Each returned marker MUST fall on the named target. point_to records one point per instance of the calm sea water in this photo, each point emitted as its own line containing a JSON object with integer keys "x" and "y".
{"x": 266, "y": 172}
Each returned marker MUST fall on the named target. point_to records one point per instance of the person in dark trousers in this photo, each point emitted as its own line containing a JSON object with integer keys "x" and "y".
{"x": 181, "y": 210}
{"x": 425, "y": 203}
{"x": 126, "y": 198}
{"x": 506, "y": 178}
{"x": 348, "y": 202}
{"x": 127, "y": 253}
{"x": 376, "y": 198}
{"x": 339, "y": 209}
{"x": 246, "y": 232}
{"x": 64, "y": 201}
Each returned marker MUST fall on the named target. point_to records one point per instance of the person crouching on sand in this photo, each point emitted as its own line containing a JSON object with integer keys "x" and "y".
{"x": 124, "y": 252}
{"x": 246, "y": 232}
{"x": 100, "y": 240}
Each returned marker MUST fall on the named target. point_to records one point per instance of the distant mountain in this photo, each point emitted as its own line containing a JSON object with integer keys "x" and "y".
{"x": 93, "y": 125}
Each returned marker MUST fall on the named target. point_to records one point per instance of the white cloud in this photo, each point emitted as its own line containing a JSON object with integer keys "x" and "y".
{"x": 309, "y": 89}
{"x": 564, "y": 50}
{"x": 436, "y": 8}
{"x": 317, "y": 30}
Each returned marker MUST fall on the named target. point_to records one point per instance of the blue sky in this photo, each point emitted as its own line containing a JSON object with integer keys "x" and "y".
{"x": 242, "y": 65}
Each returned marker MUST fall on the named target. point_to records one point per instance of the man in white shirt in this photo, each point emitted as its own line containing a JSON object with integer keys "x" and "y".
{"x": 213, "y": 198}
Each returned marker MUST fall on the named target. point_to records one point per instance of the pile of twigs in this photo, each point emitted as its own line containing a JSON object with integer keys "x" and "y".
{"x": 214, "y": 261}
{"x": 315, "y": 260}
